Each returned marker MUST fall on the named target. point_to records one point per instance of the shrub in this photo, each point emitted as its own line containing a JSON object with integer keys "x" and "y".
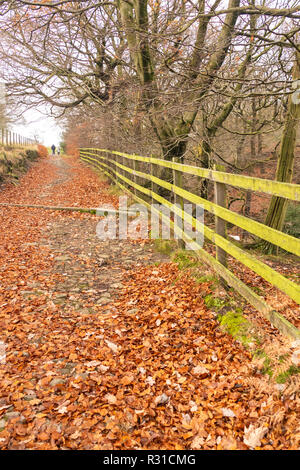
{"x": 71, "y": 149}
{"x": 42, "y": 150}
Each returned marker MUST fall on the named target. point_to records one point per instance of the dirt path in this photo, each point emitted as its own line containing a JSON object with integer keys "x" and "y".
{"x": 108, "y": 345}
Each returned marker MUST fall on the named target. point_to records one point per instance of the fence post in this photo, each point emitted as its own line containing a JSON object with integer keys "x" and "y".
{"x": 99, "y": 160}
{"x": 111, "y": 166}
{"x": 106, "y": 162}
{"x": 135, "y": 177}
{"x": 221, "y": 200}
{"x": 152, "y": 172}
{"x": 116, "y": 168}
{"x": 123, "y": 172}
{"x": 178, "y": 200}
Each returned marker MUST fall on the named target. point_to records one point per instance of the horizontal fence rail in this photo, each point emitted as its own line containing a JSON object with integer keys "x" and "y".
{"x": 276, "y": 188}
{"x": 109, "y": 162}
{"x": 8, "y": 137}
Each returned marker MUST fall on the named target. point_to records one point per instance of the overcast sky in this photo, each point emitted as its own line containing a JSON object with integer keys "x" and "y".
{"x": 38, "y": 124}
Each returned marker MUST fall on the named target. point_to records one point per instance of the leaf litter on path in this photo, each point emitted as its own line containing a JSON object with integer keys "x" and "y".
{"x": 148, "y": 369}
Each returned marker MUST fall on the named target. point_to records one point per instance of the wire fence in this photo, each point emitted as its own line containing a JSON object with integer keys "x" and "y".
{"x": 13, "y": 138}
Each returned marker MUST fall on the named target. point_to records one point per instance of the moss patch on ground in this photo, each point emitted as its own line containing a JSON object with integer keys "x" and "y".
{"x": 165, "y": 247}
{"x": 185, "y": 260}
{"x": 284, "y": 376}
{"x": 214, "y": 303}
{"x": 234, "y": 323}
{"x": 113, "y": 189}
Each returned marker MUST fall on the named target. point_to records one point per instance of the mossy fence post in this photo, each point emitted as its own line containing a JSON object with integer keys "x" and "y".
{"x": 154, "y": 186}
{"x": 123, "y": 172}
{"x": 178, "y": 200}
{"x": 116, "y": 168}
{"x": 220, "y": 199}
{"x": 135, "y": 178}
{"x": 109, "y": 158}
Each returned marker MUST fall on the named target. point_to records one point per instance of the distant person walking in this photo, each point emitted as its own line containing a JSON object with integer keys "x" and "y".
{"x": 53, "y": 149}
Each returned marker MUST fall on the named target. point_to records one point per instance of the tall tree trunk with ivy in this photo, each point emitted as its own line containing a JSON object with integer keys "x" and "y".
{"x": 278, "y": 205}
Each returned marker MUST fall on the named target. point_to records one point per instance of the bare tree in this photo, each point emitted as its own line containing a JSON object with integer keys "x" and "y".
{"x": 166, "y": 64}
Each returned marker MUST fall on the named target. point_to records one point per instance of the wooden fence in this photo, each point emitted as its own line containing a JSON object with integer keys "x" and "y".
{"x": 8, "y": 137}
{"x": 124, "y": 170}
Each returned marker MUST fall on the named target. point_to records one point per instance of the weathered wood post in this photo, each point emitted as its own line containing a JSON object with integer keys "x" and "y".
{"x": 102, "y": 159}
{"x": 178, "y": 200}
{"x": 112, "y": 167}
{"x": 95, "y": 156}
{"x": 135, "y": 177}
{"x": 122, "y": 171}
{"x": 153, "y": 185}
{"x": 108, "y": 162}
{"x": 153, "y": 189}
{"x": 221, "y": 200}
{"x": 115, "y": 167}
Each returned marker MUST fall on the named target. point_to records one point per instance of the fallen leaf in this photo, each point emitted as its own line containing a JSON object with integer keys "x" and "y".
{"x": 253, "y": 435}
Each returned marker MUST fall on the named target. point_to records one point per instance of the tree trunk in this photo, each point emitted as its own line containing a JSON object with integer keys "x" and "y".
{"x": 173, "y": 130}
{"x": 205, "y": 163}
{"x": 278, "y": 205}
